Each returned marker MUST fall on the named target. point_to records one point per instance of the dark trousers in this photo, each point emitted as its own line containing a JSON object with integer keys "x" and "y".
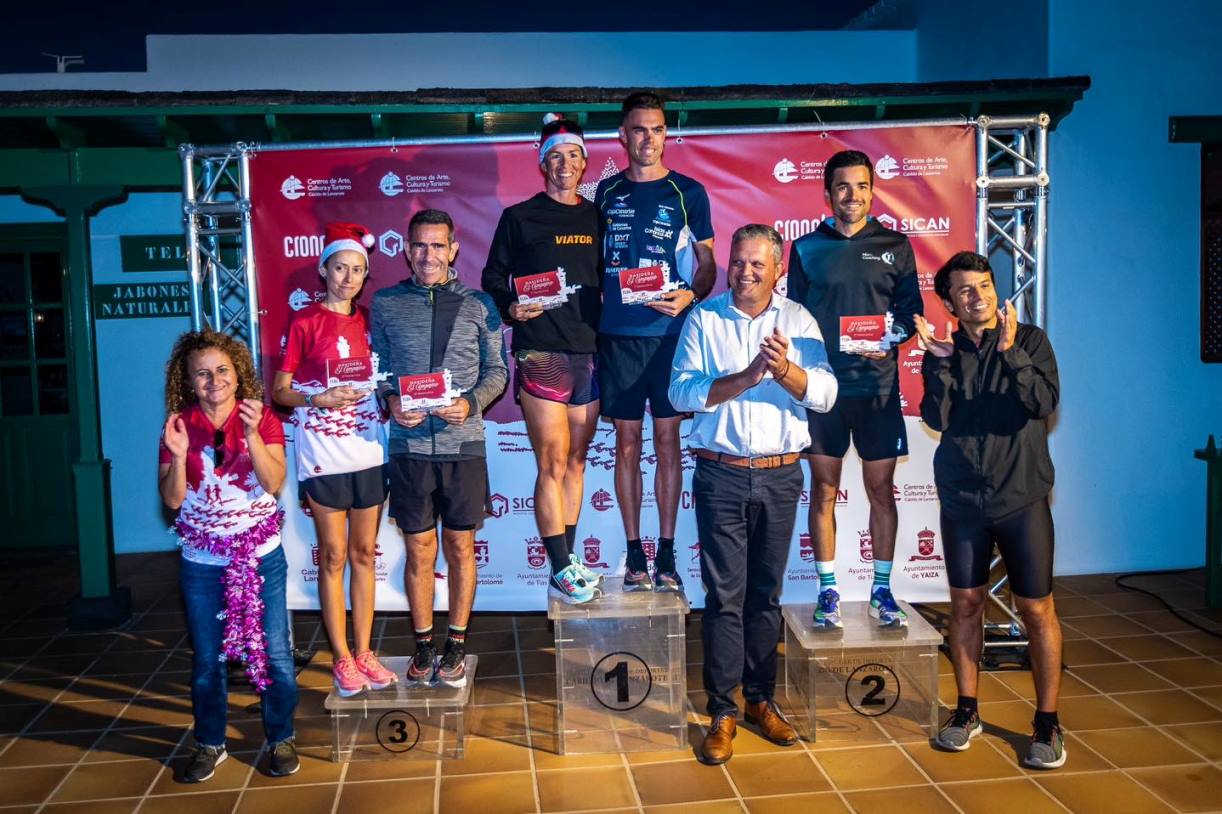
{"x": 745, "y": 519}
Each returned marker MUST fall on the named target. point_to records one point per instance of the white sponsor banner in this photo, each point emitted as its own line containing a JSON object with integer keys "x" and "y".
{"x": 512, "y": 566}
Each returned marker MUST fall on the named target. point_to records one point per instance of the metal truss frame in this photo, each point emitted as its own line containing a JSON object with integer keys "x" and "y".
{"x": 217, "y": 218}
{"x": 1012, "y": 230}
{"x": 1012, "y": 184}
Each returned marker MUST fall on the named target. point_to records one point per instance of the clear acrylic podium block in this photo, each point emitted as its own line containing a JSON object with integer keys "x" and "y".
{"x": 621, "y": 680}
{"x": 401, "y": 721}
{"x": 863, "y": 683}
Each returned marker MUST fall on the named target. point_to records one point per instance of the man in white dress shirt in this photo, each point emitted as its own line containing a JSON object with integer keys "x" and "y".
{"x": 749, "y": 365}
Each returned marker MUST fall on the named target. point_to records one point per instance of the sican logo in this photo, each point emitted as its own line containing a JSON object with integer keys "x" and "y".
{"x": 498, "y": 505}
{"x": 886, "y": 168}
{"x": 785, "y": 171}
{"x": 391, "y": 185}
{"x": 390, "y": 243}
{"x": 292, "y": 188}
{"x": 888, "y": 221}
{"x": 601, "y": 500}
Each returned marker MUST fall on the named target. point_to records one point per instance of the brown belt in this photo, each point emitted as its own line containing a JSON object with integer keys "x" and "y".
{"x": 755, "y": 462}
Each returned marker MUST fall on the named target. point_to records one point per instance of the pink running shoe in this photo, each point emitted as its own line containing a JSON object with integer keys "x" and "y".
{"x": 348, "y": 678}
{"x": 379, "y": 677}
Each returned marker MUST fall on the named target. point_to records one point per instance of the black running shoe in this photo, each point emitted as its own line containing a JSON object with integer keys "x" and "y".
{"x": 636, "y": 572}
{"x": 452, "y": 669}
{"x": 665, "y": 575}
{"x": 420, "y": 670}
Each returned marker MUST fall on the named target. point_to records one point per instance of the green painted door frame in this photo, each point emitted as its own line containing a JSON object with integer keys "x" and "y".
{"x": 101, "y": 603}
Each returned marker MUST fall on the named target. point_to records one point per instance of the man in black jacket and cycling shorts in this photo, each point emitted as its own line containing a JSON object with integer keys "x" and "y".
{"x": 989, "y": 388}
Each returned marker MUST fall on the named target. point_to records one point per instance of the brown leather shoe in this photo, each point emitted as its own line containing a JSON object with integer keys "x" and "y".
{"x": 772, "y": 724}
{"x": 718, "y": 746}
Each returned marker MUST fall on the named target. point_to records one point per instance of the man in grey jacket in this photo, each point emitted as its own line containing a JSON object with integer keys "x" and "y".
{"x": 431, "y": 323}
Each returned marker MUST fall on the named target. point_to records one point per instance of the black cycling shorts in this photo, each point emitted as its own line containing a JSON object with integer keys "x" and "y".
{"x": 1024, "y": 538}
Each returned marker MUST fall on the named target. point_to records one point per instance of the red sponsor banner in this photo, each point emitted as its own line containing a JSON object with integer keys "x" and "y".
{"x": 924, "y": 187}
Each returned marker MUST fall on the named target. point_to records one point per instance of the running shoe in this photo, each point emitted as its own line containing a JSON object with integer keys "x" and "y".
{"x": 420, "y": 671}
{"x": 203, "y": 762}
{"x": 636, "y": 572}
{"x": 665, "y": 575}
{"x": 283, "y": 759}
{"x": 349, "y": 680}
{"x": 1047, "y": 749}
{"x": 885, "y": 609}
{"x": 452, "y": 669}
{"x": 591, "y": 577}
{"x": 827, "y": 610}
{"x": 957, "y": 733}
{"x": 568, "y": 586}
{"x": 379, "y": 677}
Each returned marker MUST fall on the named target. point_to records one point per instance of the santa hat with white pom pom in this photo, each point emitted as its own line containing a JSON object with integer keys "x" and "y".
{"x": 559, "y": 130}
{"x": 346, "y": 237}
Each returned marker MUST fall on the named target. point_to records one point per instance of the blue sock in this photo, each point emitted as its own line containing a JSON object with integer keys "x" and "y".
{"x": 827, "y": 574}
{"x": 882, "y": 575}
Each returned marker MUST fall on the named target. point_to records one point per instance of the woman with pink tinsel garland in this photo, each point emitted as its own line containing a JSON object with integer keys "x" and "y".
{"x": 221, "y": 464}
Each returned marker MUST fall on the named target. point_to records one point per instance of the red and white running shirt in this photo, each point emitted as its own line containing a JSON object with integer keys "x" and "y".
{"x": 332, "y": 442}
{"x": 227, "y": 499}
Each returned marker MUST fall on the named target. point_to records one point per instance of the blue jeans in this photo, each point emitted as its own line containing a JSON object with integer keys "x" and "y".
{"x": 204, "y": 595}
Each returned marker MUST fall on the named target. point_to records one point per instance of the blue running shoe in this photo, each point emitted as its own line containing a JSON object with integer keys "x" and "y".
{"x": 827, "y": 612}
{"x": 568, "y": 586}
{"x": 884, "y": 608}
{"x": 591, "y": 577}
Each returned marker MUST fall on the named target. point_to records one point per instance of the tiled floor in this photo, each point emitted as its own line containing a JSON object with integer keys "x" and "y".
{"x": 97, "y": 722}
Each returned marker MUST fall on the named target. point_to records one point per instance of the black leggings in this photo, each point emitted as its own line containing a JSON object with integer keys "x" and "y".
{"x": 1024, "y": 538}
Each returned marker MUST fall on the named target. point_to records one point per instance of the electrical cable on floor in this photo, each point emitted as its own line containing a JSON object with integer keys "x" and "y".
{"x": 1166, "y": 604}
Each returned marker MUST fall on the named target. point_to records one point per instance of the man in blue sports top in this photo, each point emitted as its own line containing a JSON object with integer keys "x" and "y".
{"x": 648, "y": 216}
{"x": 852, "y": 265}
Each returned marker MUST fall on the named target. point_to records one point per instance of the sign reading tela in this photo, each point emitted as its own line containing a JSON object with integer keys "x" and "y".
{"x": 153, "y": 252}
{"x": 134, "y": 301}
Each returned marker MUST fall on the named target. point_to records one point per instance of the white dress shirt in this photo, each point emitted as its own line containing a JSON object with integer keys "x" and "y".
{"x": 718, "y": 340}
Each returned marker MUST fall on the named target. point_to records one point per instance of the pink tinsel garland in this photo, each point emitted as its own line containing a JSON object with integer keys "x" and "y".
{"x": 244, "y": 638}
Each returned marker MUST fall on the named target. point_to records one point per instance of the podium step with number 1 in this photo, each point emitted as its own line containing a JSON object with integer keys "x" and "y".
{"x": 621, "y": 679}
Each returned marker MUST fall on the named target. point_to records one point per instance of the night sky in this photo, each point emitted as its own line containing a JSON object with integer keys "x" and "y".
{"x": 111, "y": 35}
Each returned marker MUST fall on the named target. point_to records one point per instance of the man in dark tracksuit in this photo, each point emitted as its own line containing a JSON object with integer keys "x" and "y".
{"x": 438, "y": 465}
{"x": 854, "y": 266}
{"x": 989, "y": 387}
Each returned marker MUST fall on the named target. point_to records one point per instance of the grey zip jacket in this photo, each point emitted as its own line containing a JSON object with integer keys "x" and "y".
{"x": 426, "y": 329}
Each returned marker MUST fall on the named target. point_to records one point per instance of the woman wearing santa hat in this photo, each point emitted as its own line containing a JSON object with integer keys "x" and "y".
{"x": 328, "y": 375}
{"x": 555, "y": 322}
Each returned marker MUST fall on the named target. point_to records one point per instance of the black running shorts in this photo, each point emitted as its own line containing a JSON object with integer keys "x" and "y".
{"x": 874, "y": 423}
{"x": 423, "y": 491}
{"x": 633, "y": 370}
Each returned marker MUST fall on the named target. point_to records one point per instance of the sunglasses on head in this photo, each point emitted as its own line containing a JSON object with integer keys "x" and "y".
{"x": 218, "y": 449}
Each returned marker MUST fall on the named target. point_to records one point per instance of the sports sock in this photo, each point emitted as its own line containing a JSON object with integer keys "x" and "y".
{"x": 967, "y": 703}
{"x": 634, "y": 547}
{"x": 1046, "y": 720}
{"x": 827, "y": 574}
{"x": 570, "y": 537}
{"x": 557, "y": 552}
{"x": 882, "y": 575}
{"x": 424, "y": 637}
{"x": 458, "y": 635}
